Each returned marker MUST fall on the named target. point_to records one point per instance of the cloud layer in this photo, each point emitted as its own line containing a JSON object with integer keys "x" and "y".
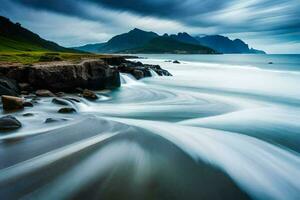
{"x": 273, "y": 25}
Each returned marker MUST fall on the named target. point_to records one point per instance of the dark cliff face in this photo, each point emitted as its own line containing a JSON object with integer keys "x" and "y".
{"x": 94, "y": 74}
{"x": 63, "y": 76}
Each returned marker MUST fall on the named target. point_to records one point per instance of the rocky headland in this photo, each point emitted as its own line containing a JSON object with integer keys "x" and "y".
{"x": 54, "y": 79}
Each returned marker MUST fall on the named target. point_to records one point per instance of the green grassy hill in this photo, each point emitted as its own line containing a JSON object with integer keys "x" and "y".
{"x": 15, "y": 38}
{"x": 168, "y": 45}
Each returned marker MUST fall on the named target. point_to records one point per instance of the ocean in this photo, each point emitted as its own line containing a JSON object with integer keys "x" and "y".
{"x": 222, "y": 127}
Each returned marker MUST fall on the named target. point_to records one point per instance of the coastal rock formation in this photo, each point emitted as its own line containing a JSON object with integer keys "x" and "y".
{"x": 48, "y": 78}
{"x": 63, "y": 76}
{"x": 137, "y": 69}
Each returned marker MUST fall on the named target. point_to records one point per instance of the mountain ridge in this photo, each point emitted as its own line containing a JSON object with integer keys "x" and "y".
{"x": 163, "y": 44}
{"x": 137, "y": 38}
{"x": 14, "y": 37}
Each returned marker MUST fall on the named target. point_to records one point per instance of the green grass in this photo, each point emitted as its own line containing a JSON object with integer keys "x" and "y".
{"x": 9, "y": 45}
{"x": 31, "y": 57}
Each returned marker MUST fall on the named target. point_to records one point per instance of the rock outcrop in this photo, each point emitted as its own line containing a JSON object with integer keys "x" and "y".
{"x": 66, "y": 77}
{"x": 63, "y": 76}
{"x": 137, "y": 69}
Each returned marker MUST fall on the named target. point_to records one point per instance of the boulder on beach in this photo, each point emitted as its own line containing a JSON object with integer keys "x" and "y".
{"x": 44, "y": 93}
{"x": 11, "y": 103}
{"x": 138, "y": 74}
{"x": 52, "y": 120}
{"x": 176, "y": 62}
{"x": 8, "y": 123}
{"x": 27, "y": 104}
{"x": 28, "y": 115}
{"x": 88, "y": 94}
{"x": 60, "y": 101}
{"x": 67, "y": 110}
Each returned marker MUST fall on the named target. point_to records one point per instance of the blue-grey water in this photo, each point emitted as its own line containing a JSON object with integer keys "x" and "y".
{"x": 223, "y": 127}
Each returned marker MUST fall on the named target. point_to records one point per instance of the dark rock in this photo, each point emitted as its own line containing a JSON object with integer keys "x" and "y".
{"x": 77, "y": 100}
{"x": 44, "y": 93}
{"x": 60, "y": 101}
{"x": 60, "y": 94}
{"x": 88, "y": 94}
{"x": 8, "y": 87}
{"x": 114, "y": 60}
{"x": 51, "y": 120}
{"x": 9, "y": 122}
{"x": 139, "y": 63}
{"x": 11, "y": 103}
{"x": 270, "y": 63}
{"x": 27, "y": 104}
{"x": 176, "y": 62}
{"x": 138, "y": 74}
{"x": 28, "y": 114}
{"x": 67, "y": 110}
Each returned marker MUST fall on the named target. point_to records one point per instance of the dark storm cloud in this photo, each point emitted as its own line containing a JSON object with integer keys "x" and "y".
{"x": 271, "y": 19}
{"x": 163, "y": 8}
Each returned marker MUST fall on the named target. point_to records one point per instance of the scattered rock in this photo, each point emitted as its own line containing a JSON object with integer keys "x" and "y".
{"x": 28, "y": 104}
{"x": 176, "y": 62}
{"x": 9, "y": 122}
{"x": 44, "y": 93}
{"x": 138, "y": 74}
{"x": 67, "y": 110}
{"x": 28, "y": 115}
{"x": 51, "y": 120}
{"x": 60, "y": 101}
{"x": 11, "y": 103}
{"x": 88, "y": 94}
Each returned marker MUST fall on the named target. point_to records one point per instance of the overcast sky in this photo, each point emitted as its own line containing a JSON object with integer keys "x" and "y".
{"x": 270, "y": 25}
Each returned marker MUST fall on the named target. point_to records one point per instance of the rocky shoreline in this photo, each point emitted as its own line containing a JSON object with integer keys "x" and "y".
{"x": 68, "y": 77}
{"x": 53, "y": 79}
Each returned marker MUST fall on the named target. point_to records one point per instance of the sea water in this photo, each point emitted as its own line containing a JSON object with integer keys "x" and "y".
{"x": 222, "y": 127}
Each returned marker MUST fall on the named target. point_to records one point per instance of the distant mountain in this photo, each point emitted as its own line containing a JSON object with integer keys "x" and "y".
{"x": 184, "y": 37}
{"x": 133, "y": 39}
{"x": 227, "y": 46}
{"x": 138, "y": 40}
{"x": 90, "y": 47}
{"x": 166, "y": 44}
{"x": 13, "y": 37}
